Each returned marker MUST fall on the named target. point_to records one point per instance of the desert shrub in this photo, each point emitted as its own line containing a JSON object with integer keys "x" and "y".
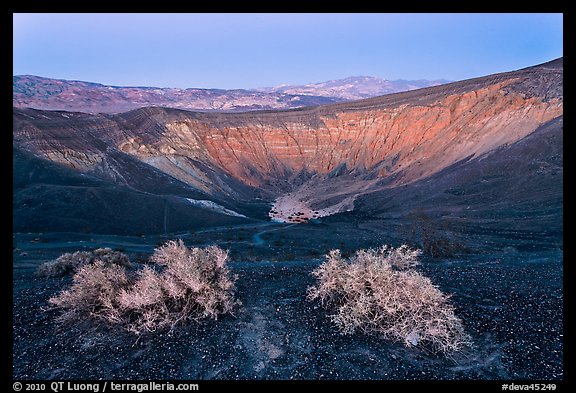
{"x": 94, "y": 293}
{"x": 378, "y": 291}
{"x": 195, "y": 283}
{"x": 70, "y": 262}
{"x": 434, "y": 236}
{"x": 185, "y": 284}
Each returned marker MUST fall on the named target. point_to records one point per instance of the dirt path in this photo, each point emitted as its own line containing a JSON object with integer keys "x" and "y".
{"x": 63, "y": 242}
{"x": 257, "y": 239}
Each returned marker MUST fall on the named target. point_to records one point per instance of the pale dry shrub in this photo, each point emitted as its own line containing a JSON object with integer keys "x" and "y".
{"x": 70, "y": 262}
{"x": 378, "y": 291}
{"x": 187, "y": 284}
{"x": 94, "y": 293}
{"x": 195, "y": 283}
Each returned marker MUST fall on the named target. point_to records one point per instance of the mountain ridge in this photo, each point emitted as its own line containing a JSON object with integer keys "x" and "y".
{"x": 91, "y": 97}
{"x": 354, "y": 87}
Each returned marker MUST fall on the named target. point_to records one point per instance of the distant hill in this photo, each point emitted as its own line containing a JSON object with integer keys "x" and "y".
{"x": 36, "y": 92}
{"x": 354, "y": 87}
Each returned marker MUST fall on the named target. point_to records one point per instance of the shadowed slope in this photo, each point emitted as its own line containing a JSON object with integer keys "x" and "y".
{"x": 52, "y": 197}
{"x": 510, "y": 196}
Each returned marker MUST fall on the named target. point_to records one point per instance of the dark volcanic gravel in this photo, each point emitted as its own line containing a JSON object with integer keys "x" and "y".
{"x": 511, "y": 305}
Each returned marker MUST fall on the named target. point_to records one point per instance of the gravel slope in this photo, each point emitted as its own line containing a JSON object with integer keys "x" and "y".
{"x": 511, "y": 304}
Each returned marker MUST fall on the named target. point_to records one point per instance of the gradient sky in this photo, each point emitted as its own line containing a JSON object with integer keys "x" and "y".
{"x": 256, "y": 50}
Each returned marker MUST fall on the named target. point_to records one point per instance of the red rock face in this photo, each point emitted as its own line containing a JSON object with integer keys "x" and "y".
{"x": 438, "y": 134}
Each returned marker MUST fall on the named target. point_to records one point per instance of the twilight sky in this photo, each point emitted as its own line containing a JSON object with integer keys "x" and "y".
{"x": 255, "y": 50}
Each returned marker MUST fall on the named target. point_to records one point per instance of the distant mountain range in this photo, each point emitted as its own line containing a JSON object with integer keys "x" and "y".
{"x": 36, "y": 92}
{"x": 354, "y": 87}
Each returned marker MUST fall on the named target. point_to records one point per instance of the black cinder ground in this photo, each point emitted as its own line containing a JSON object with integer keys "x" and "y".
{"x": 511, "y": 304}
